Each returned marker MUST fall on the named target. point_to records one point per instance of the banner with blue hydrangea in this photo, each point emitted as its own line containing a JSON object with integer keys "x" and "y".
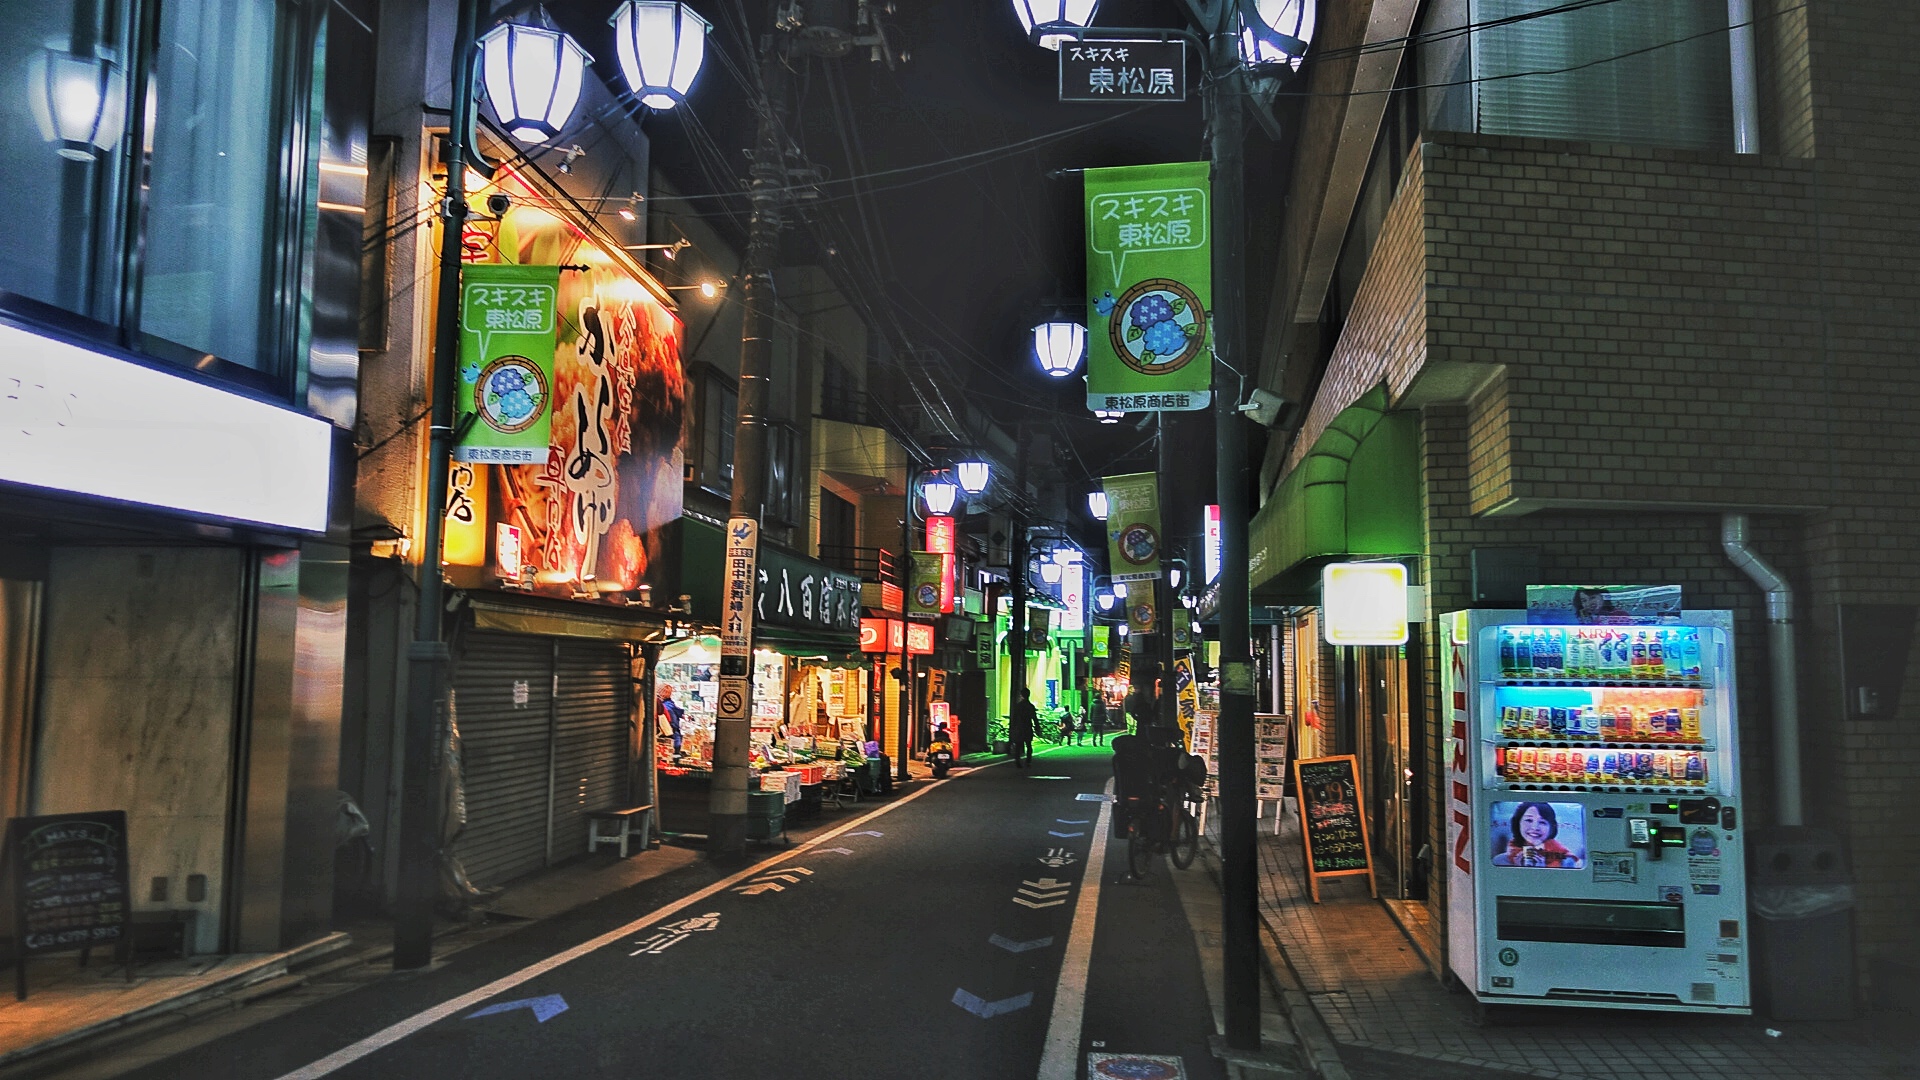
{"x": 1149, "y": 288}
{"x": 504, "y": 394}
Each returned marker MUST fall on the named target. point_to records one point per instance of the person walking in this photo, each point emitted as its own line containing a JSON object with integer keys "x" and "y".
{"x": 1020, "y": 729}
{"x": 1097, "y": 719}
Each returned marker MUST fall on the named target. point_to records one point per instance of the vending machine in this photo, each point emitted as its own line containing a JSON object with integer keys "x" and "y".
{"x": 1594, "y": 847}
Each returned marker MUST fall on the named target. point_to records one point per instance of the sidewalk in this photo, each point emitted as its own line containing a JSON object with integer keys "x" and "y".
{"x": 1382, "y": 1008}
{"x": 91, "y": 1022}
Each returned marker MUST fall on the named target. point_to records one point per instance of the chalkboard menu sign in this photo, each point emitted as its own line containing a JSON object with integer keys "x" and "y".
{"x": 69, "y": 882}
{"x": 1331, "y": 824}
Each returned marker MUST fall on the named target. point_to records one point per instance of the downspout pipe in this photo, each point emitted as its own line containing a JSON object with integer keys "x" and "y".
{"x": 1782, "y": 656}
{"x": 1746, "y": 91}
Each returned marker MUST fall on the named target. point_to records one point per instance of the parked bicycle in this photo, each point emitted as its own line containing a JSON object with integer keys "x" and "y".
{"x": 1166, "y": 818}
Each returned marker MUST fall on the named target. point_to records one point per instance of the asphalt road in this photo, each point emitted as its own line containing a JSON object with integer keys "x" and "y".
{"x": 954, "y": 931}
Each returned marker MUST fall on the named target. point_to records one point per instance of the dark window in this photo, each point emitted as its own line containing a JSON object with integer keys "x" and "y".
{"x": 839, "y": 393}
{"x": 785, "y": 503}
{"x": 717, "y": 419}
{"x": 838, "y": 528}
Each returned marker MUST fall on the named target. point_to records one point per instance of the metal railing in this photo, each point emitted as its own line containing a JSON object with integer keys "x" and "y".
{"x": 871, "y": 564}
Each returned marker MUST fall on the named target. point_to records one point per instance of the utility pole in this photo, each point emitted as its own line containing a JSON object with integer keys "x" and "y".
{"x": 1165, "y": 598}
{"x": 1017, "y": 632}
{"x": 1224, "y": 97}
{"x": 727, "y": 834}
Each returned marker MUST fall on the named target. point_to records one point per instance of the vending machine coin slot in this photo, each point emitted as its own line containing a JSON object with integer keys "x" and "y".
{"x": 1728, "y": 819}
{"x": 1699, "y": 811}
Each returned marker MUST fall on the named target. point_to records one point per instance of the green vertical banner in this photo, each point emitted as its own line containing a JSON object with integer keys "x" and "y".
{"x": 1102, "y": 644}
{"x": 1149, "y": 287}
{"x": 503, "y": 398}
{"x": 932, "y": 590}
{"x": 1133, "y": 527}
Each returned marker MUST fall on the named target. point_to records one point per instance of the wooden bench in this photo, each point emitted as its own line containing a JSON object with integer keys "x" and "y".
{"x": 624, "y": 818}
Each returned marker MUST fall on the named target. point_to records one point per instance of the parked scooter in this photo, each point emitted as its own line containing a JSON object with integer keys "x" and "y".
{"x": 940, "y": 756}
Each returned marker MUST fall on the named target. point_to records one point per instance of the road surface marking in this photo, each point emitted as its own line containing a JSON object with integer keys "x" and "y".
{"x": 1064, "y": 821}
{"x": 1058, "y": 857}
{"x": 987, "y": 1010}
{"x": 1087, "y": 796}
{"x": 1060, "y": 1059}
{"x": 543, "y": 1008}
{"x": 1024, "y": 902}
{"x": 393, "y": 1033}
{"x": 1018, "y": 947}
{"x": 1064, "y": 835}
{"x": 667, "y": 935}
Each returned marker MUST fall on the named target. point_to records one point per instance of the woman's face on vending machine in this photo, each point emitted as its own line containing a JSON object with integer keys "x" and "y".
{"x": 1535, "y": 829}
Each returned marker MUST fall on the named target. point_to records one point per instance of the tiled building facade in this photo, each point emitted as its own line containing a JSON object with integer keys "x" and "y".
{"x": 1612, "y": 345}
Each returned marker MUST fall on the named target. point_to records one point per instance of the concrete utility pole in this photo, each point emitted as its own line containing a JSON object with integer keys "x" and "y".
{"x": 727, "y": 805}
{"x": 1225, "y": 91}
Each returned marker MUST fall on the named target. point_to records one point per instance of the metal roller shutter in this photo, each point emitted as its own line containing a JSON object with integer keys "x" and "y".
{"x": 593, "y": 739}
{"x": 506, "y": 754}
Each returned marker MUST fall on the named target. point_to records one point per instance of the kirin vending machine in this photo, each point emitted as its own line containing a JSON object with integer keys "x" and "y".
{"x": 1594, "y": 847}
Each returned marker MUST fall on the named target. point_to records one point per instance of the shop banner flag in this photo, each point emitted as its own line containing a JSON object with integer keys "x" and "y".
{"x": 1101, "y": 642}
{"x": 1149, "y": 287}
{"x": 1142, "y": 617}
{"x": 932, "y": 586}
{"x": 1182, "y": 629}
{"x": 1133, "y": 527}
{"x": 504, "y": 393}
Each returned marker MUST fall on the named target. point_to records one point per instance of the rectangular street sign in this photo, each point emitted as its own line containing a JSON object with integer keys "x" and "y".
{"x": 1123, "y": 71}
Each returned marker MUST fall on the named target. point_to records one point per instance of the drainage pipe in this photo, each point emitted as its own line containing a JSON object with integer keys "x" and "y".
{"x": 1746, "y": 92}
{"x": 1781, "y": 654}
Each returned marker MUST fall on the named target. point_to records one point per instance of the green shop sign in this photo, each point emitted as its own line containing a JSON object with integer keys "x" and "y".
{"x": 504, "y": 396}
{"x": 1149, "y": 288}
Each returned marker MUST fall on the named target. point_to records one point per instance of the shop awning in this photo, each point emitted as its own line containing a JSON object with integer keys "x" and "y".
{"x": 703, "y": 568}
{"x": 1357, "y": 492}
{"x": 560, "y": 618}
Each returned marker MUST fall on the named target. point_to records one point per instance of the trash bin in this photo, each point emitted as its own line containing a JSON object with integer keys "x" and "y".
{"x": 1801, "y": 897}
{"x": 767, "y": 815}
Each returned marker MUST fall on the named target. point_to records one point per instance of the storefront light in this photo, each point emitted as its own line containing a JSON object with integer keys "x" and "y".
{"x": 661, "y": 45}
{"x": 79, "y": 102}
{"x": 1364, "y": 603}
{"x": 533, "y": 76}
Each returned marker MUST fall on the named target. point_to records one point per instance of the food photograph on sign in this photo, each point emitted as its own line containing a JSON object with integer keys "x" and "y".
{"x": 1538, "y": 835}
{"x": 592, "y": 512}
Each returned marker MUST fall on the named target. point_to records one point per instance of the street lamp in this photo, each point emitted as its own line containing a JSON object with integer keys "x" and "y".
{"x": 973, "y": 475}
{"x": 661, "y": 45}
{"x": 1109, "y": 416}
{"x": 1279, "y": 32}
{"x": 1097, "y": 505}
{"x": 533, "y": 77}
{"x": 939, "y": 494}
{"x": 1059, "y": 344}
{"x": 79, "y": 102}
{"x": 1042, "y": 14}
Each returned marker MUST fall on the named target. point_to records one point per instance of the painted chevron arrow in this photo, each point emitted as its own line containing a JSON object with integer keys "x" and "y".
{"x": 1039, "y": 904}
{"x": 867, "y": 832}
{"x": 1046, "y": 895}
{"x": 1064, "y": 821}
{"x": 1064, "y": 835}
{"x": 759, "y": 887}
{"x": 1017, "y": 947}
{"x": 987, "y": 1010}
{"x": 838, "y": 850}
{"x": 543, "y": 1008}
{"x": 1047, "y": 883}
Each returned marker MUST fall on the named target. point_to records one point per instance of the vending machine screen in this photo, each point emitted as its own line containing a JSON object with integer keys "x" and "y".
{"x": 1539, "y": 835}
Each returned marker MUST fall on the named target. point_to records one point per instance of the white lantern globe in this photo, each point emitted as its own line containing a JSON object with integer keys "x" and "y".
{"x": 1285, "y": 31}
{"x": 661, "y": 45}
{"x": 533, "y": 77}
{"x": 1059, "y": 345}
{"x": 973, "y": 476}
{"x": 1044, "y": 13}
{"x": 939, "y": 495}
{"x": 77, "y": 101}
{"x": 1097, "y": 505}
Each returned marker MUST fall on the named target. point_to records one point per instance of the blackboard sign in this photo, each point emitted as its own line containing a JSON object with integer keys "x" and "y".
{"x": 1331, "y": 824}
{"x": 69, "y": 882}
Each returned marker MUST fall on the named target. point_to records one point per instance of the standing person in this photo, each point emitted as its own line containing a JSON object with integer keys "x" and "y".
{"x": 1067, "y": 728}
{"x": 1097, "y": 718}
{"x": 672, "y": 712}
{"x": 1020, "y": 728}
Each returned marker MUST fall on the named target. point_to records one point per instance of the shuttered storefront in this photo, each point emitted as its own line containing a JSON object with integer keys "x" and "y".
{"x": 593, "y": 739}
{"x": 533, "y": 768}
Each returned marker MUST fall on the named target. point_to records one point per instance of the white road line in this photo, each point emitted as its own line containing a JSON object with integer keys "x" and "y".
{"x": 1060, "y": 1060}
{"x": 385, "y": 1037}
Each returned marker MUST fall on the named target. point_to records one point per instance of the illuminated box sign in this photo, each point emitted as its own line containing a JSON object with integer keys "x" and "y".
{"x": 873, "y": 635}
{"x": 896, "y": 636}
{"x": 1364, "y": 603}
{"x": 74, "y": 420}
{"x": 506, "y": 550}
{"x": 919, "y": 639}
{"x": 799, "y": 593}
{"x": 940, "y": 535}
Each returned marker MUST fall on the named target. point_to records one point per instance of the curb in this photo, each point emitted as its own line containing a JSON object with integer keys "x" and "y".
{"x": 1318, "y": 1050}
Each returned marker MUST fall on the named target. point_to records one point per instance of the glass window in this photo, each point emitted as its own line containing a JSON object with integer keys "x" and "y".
{"x": 209, "y": 259}
{"x": 717, "y": 422}
{"x": 64, "y": 102}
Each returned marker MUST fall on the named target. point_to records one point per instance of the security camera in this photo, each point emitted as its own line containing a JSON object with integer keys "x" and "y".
{"x": 1265, "y": 408}
{"x": 499, "y": 203}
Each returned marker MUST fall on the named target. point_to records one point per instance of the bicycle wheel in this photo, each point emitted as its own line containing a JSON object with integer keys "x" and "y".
{"x": 1139, "y": 850}
{"x": 1186, "y": 838}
